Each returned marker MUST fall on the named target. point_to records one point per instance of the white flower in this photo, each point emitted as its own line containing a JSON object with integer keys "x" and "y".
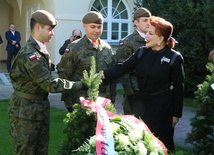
{"x": 135, "y": 135}
{"x": 136, "y": 126}
{"x": 115, "y": 127}
{"x": 123, "y": 140}
{"x": 154, "y": 145}
{"x": 154, "y": 153}
{"x": 131, "y": 138}
{"x": 141, "y": 148}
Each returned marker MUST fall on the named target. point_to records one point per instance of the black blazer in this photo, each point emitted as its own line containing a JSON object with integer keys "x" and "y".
{"x": 62, "y": 49}
{"x": 10, "y": 37}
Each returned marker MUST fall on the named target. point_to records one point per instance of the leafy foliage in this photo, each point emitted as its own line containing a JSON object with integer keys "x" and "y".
{"x": 202, "y": 135}
{"x": 193, "y": 28}
{"x": 81, "y": 123}
{"x": 93, "y": 81}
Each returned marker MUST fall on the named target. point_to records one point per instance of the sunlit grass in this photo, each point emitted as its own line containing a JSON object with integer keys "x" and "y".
{"x": 56, "y": 130}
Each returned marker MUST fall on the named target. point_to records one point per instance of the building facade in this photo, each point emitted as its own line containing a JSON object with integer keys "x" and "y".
{"x": 118, "y": 16}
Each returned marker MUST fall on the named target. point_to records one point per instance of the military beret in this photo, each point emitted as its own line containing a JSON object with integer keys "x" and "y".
{"x": 93, "y": 17}
{"x": 44, "y": 17}
{"x": 141, "y": 12}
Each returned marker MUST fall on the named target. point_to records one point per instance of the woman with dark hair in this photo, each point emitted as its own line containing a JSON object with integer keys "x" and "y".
{"x": 160, "y": 74}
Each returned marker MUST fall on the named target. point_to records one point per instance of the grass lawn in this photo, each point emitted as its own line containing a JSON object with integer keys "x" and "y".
{"x": 56, "y": 132}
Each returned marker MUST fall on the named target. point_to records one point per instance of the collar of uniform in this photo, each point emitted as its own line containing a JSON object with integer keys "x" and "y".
{"x": 40, "y": 45}
{"x": 85, "y": 39}
{"x": 98, "y": 40}
{"x": 141, "y": 33}
{"x": 33, "y": 43}
{"x": 137, "y": 37}
{"x": 38, "y": 42}
{"x": 92, "y": 44}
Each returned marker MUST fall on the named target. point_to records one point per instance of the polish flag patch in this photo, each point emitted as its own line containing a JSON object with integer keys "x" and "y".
{"x": 66, "y": 50}
{"x": 121, "y": 44}
{"x": 33, "y": 57}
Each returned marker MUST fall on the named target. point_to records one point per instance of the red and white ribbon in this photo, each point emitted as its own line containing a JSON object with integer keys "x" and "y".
{"x": 104, "y": 134}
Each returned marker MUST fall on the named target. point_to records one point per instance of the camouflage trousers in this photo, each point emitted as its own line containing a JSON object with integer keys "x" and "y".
{"x": 29, "y": 137}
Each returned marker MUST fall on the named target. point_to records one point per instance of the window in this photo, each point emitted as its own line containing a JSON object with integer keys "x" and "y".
{"x": 115, "y": 16}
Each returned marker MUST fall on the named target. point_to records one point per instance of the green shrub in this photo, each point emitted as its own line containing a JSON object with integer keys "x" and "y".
{"x": 202, "y": 134}
{"x": 81, "y": 123}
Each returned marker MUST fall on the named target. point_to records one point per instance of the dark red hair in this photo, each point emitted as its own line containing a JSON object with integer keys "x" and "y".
{"x": 163, "y": 28}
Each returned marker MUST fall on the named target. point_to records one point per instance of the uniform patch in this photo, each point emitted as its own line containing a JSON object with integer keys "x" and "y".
{"x": 121, "y": 43}
{"x": 33, "y": 57}
{"x": 164, "y": 59}
{"x": 66, "y": 50}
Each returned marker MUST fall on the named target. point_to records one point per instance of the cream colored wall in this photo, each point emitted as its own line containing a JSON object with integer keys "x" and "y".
{"x": 47, "y": 5}
{"x": 69, "y": 18}
{"x": 6, "y": 17}
{"x": 69, "y": 14}
{"x": 13, "y": 11}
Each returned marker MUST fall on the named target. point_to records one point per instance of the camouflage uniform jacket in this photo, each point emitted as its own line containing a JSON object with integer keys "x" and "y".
{"x": 77, "y": 58}
{"x": 127, "y": 47}
{"x": 32, "y": 80}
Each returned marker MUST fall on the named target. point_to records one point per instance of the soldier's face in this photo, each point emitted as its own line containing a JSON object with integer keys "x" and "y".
{"x": 93, "y": 31}
{"x": 142, "y": 24}
{"x": 46, "y": 33}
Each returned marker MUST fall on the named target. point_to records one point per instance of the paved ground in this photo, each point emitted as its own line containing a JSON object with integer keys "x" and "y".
{"x": 181, "y": 129}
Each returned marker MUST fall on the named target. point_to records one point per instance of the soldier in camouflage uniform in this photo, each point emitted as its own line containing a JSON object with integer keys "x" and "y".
{"x": 30, "y": 75}
{"x": 77, "y": 58}
{"x": 127, "y": 47}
